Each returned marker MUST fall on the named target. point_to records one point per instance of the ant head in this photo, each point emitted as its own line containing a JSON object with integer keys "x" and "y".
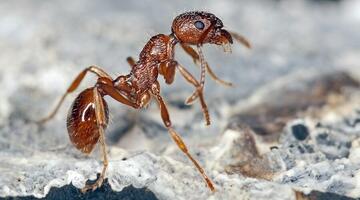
{"x": 198, "y": 28}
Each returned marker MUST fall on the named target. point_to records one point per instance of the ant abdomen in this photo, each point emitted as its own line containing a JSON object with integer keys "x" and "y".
{"x": 81, "y": 121}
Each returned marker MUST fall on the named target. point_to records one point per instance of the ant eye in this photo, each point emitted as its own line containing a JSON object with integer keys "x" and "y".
{"x": 199, "y": 25}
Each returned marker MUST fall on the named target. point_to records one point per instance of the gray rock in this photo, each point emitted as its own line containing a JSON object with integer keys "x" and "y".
{"x": 300, "y": 50}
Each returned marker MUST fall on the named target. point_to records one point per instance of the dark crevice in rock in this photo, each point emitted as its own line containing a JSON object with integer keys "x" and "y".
{"x": 105, "y": 192}
{"x": 316, "y": 195}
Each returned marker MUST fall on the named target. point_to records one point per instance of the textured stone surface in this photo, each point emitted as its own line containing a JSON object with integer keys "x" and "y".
{"x": 303, "y": 71}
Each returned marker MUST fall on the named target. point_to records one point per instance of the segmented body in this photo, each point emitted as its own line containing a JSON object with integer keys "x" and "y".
{"x": 144, "y": 74}
{"x": 157, "y": 51}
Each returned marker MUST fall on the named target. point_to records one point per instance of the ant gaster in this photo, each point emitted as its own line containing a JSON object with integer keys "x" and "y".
{"x": 88, "y": 116}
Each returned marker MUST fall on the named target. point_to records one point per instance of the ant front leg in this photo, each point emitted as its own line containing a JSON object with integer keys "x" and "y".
{"x": 196, "y": 58}
{"x": 155, "y": 90}
{"x": 169, "y": 73}
{"x": 94, "y": 69}
{"x": 203, "y": 65}
{"x": 199, "y": 92}
{"x": 167, "y": 69}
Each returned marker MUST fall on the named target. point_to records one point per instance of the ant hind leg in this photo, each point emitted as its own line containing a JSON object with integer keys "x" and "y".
{"x": 101, "y": 123}
{"x": 73, "y": 86}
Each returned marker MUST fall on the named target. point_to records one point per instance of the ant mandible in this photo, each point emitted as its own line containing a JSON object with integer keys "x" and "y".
{"x": 88, "y": 116}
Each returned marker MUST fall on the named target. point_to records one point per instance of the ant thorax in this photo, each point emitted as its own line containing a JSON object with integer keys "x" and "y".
{"x": 144, "y": 74}
{"x": 159, "y": 49}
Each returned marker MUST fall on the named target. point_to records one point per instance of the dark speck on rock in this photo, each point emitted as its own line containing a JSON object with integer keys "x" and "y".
{"x": 274, "y": 147}
{"x": 323, "y": 138}
{"x": 289, "y": 179}
{"x": 352, "y": 123}
{"x": 300, "y": 131}
{"x": 318, "y": 125}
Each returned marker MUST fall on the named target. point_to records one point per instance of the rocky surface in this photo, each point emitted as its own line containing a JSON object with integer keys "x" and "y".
{"x": 289, "y": 129}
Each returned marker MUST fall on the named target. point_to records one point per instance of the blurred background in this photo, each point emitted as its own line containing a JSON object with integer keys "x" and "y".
{"x": 45, "y": 44}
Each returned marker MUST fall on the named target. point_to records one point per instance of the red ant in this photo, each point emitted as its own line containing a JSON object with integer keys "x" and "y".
{"x": 89, "y": 115}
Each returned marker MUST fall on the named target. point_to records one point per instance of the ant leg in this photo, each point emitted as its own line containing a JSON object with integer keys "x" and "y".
{"x": 203, "y": 64}
{"x": 101, "y": 124}
{"x": 131, "y": 61}
{"x": 217, "y": 79}
{"x": 167, "y": 69}
{"x": 195, "y": 56}
{"x": 94, "y": 69}
{"x": 241, "y": 39}
{"x": 122, "y": 83}
{"x": 176, "y": 137}
{"x": 191, "y": 52}
{"x": 199, "y": 90}
{"x": 107, "y": 87}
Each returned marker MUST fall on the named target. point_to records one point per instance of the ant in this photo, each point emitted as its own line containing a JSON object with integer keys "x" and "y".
{"x": 88, "y": 116}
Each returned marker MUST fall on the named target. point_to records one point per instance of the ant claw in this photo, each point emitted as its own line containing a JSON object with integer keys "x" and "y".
{"x": 92, "y": 187}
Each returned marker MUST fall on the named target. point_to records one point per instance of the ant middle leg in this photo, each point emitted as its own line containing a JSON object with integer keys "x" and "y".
{"x": 155, "y": 90}
{"x": 73, "y": 86}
